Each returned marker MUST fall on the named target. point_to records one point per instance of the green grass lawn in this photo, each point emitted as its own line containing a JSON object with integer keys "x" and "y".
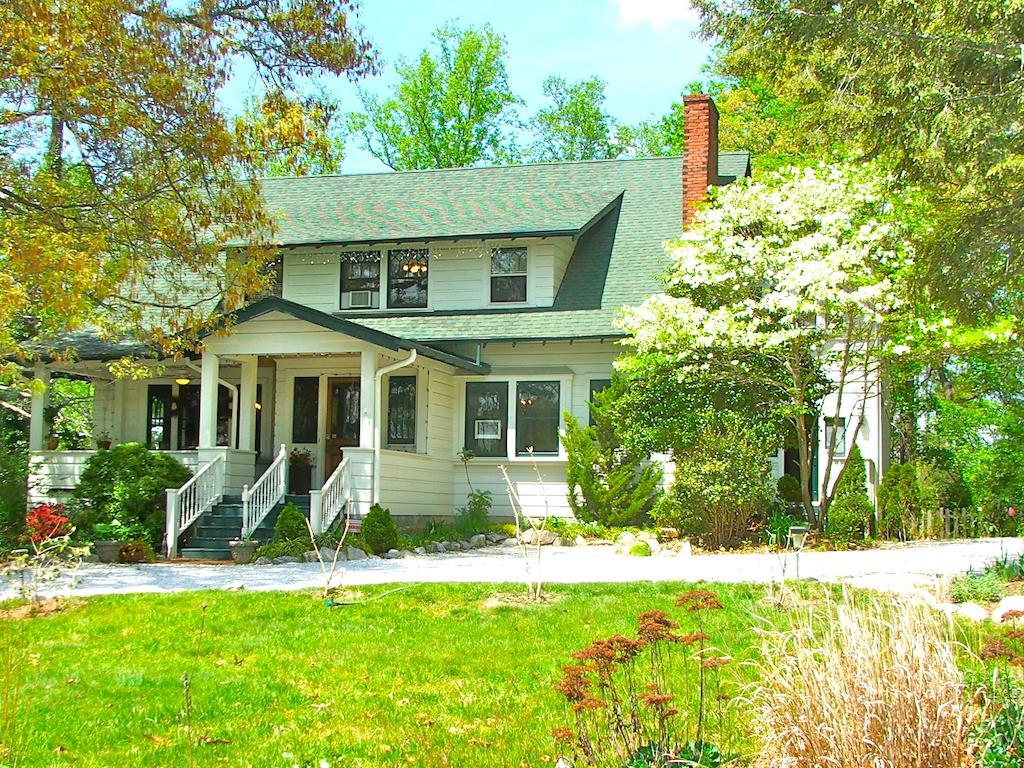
{"x": 431, "y": 676}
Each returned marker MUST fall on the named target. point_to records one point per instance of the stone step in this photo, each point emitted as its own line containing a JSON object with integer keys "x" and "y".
{"x": 206, "y": 553}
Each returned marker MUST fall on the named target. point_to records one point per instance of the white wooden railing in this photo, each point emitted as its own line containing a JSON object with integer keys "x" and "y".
{"x": 336, "y": 496}
{"x": 184, "y": 505}
{"x": 265, "y": 493}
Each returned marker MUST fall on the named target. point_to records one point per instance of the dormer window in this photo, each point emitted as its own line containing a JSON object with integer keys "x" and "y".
{"x": 508, "y": 275}
{"x": 407, "y": 278}
{"x": 360, "y": 280}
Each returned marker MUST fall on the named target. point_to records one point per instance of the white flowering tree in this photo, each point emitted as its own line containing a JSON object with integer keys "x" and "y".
{"x": 787, "y": 283}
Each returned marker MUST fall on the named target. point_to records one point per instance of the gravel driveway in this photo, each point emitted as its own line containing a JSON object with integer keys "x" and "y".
{"x": 899, "y": 568}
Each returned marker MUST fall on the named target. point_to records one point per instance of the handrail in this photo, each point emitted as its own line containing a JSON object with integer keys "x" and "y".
{"x": 198, "y": 495}
{"x": 335, "y": 496}
{"x": 264, "y": 495}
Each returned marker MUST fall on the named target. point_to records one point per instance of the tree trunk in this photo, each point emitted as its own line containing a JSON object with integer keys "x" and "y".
{"x": 55, "y": 147}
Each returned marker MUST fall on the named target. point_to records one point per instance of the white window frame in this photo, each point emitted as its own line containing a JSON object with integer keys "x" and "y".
{"x": 565, "y": 386}
{"x": 491, "y": 275}
{"x": 829, "y": 424}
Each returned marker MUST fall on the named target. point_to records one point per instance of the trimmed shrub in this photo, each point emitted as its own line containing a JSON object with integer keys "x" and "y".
{"x": 291, "y": 525}
{"x": 128, "y": 483}
{"x": 607, "y": 483}
{"x": 723, "y": 482}
{"x": 849, "y": 516}
{"x": 379, "y": 531}
{"x": 474, "y": 517}
{"x": 788, "y": 488}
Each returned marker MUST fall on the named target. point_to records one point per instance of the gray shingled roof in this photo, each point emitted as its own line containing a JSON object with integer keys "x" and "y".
{"x": 622, "y": 211}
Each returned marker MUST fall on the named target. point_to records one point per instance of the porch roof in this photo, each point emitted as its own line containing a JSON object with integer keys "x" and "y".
{"x": 348, "y": 328}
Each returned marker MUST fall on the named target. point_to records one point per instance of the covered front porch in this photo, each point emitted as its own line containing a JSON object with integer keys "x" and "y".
{"x": 288, "y": 400}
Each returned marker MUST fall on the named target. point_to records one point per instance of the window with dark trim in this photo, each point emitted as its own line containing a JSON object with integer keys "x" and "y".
{"x": 158, "y": 417}
{"x": 487, "y": 418}
{"x": 508, "y": 275}
{"x": 402, "y": 411}
{"x": 305, "y": 409}
{"x": 407, "y": 278}
{"x": 837, "y": 424}
{"x": 596, "y": 385}
{"x": 188, "y": 417}
{"x": 360, "y": 271}
{"x": 537, "y": 417}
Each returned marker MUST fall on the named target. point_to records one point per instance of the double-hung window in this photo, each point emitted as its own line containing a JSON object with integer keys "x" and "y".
{"x": 407, "y": 278}
{"x": 508, "y": 275}
{"x": 534, "y": 416}
{"x": 835, "y": 429}
{"x": 360, "y": 280}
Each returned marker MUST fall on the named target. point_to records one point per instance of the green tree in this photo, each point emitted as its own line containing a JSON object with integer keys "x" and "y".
{"x": 291, "y": 137}
{"x": 607, "y": 483}
{"x": 575, "y": 126}
{"x": 849, "y": 515}
{"x": 452, "y": 107}
{"x": 119, "y": 165}
{"x": 934, "y": 88}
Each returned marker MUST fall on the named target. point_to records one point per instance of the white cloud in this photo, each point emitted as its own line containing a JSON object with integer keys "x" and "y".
{"x": 657, "y": 13}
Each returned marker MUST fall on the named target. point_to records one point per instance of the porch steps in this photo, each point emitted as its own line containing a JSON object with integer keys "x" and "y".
{"x": 222, "y": 524}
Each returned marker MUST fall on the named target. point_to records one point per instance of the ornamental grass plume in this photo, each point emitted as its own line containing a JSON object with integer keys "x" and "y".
{"x": 868, "y": 684}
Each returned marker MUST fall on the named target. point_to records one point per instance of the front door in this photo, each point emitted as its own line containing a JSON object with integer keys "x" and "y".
{"x": 342, "y": 419}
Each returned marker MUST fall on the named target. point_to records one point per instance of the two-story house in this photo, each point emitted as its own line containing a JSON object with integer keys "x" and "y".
{"x": 417, "y": 315}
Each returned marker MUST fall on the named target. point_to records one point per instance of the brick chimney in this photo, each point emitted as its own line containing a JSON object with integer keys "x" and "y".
{"x": 700, "y": 165}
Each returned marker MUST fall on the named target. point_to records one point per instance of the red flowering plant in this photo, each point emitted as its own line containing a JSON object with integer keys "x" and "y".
{"x": 652, "y": 700}
{"x": 45, "y": 522}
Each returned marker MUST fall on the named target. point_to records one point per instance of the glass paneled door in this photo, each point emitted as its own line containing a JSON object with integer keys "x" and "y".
{"x": 342, "y": 419}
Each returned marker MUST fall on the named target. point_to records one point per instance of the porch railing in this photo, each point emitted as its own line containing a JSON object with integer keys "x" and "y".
{"x": 184, "y": 505}
{"x": 265, "y": 493}
{"x": 327, "y": 503}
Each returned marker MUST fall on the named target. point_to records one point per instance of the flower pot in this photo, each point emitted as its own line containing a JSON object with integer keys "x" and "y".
{"x": 107, "y": 551}
{"x": 52, "y": 443}
{"x": 242, "y": 550}
{"x": 103, "y": 445}
{"x": 300, "y": 479}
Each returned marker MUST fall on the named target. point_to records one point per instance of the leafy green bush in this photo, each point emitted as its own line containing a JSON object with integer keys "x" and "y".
{"x": 379, "y": 531}
{"x": 128, "y": 483}
{"x": 137, "y": 552}
{"x": 291, "y": 525}
{"x": 788, "y": 489}
{"x": 640, "y": 549}
{"x": 13, "y": 476}
{"x": 1000, "y": 733}
{"x": 849, "y": 516}
{"x": 292, "y": 548}
{"x": 607, "y": 483}
{"x": 473, "y": 518}
{"x": 115, "y": 530}
{"x": 973, "y": 587}
{"x": 723, "y": 482}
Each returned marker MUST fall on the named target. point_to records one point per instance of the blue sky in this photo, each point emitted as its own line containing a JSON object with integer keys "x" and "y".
{"x": 645, "y": 50}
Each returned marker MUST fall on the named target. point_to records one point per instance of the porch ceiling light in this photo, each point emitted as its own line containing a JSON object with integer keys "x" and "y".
{"x": 182, "y": 380}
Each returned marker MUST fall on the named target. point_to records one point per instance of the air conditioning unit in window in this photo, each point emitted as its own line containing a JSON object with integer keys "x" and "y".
{"x": 360, "y": 299}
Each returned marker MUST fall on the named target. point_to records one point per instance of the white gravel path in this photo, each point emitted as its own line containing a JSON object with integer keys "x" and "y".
{"x": 899, "y": 568}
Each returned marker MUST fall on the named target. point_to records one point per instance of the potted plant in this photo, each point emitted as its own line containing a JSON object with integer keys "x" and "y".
{"x": 111, "y": 537}
{"x": 52, "y": 442}
{"x": 103, "y": 441}
{"x": 242, "y": 550}
{"x": 300, "y": 471}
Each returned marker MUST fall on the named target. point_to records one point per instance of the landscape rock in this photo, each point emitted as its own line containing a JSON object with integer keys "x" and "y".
{"x": 310, "y": 557}
{"x": 579, "y": 541}
{"x": 558, "y": 542}
{"x": 686, "y": 549}
{"x": 465, "y": 546}
{"x": 477, "y": 541}
{"x": 327, "y": 554}
{"x": 354, "y": 553}
{"x": 91, "y": 558}
{"x": 263, "y": 561}
{"x": 600, "y": 543}
{"x": 626, "y": 539}
{"x": 436, "y": 546}
{"x": 1006, "y": 605}
{"x": 510, "y": 543}
{"x": 450, "y": 546}
{"x": 420, "y": 550}
{"x": 285, "y": 559}
{"x": 392, "y": 554}
{"x": 495, "y": 538}
{"x": 533, "y": 536}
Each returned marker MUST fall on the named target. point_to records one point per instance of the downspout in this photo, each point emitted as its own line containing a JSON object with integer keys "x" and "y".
{"x": 378, "y": 377}
{"x": 233, "y": 439}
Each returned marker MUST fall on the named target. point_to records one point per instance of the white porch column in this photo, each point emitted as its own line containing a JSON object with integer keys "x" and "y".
{"x": 247, "y": 405}
{"x": 208, "y": 400}
{"x": 367, "y": 398}
{"x": 40, "y": 394}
